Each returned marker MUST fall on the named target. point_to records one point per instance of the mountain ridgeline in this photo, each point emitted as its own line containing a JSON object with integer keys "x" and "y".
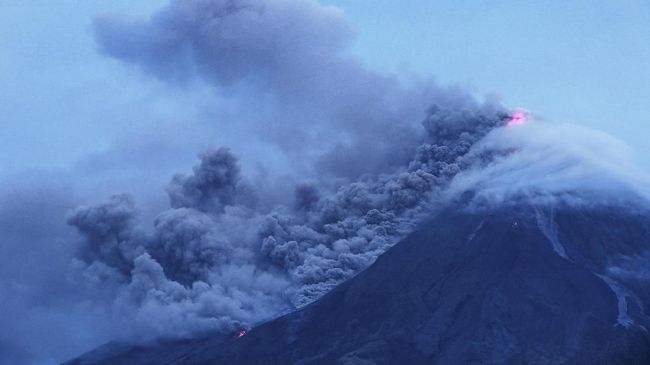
{"x": 511, "y": 285}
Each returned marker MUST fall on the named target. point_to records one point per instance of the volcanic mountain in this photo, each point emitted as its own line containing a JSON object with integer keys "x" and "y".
{"x": 522, "y": 284}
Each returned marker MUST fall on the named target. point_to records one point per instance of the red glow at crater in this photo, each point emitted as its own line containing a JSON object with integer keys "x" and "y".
{"x": 517, "y": 118}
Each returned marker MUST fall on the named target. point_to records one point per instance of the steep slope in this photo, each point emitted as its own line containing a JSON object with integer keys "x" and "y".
{"x": 511, "y": 286}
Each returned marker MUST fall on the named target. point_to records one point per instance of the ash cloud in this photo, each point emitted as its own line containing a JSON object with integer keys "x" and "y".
{"x": 223, "y": 263}
{"x": 216, "y": 259}
{"x": 371, "y": 155}
{"x": 107, "y": 230}
{"x": 216, "y": 183}
{"x": 289, "y": 60}
{"x": 368, "y": 151}
{"x": 234, "y": 264}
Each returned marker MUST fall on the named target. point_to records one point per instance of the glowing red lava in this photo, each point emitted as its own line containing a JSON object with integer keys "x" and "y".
{"x": 517, "y": 119}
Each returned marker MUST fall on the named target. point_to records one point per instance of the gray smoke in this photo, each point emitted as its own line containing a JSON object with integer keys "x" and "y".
{"x": 368, "y": 152}
{"x": 194, "y": 272}
{"x": 216, "y": 259}
{"x": 216, "y": 183}
{"x": 288, "y": 61}
{"x": 107, "y": 230}
{"x": 371, "y": 156}
{"x": 367, "y": 156}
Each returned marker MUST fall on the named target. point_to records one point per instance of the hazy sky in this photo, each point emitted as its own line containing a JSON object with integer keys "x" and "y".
{"x": 580, "y": 61}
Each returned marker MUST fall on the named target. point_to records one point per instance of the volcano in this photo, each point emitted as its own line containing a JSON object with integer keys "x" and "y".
{"x": 515, "y": 285}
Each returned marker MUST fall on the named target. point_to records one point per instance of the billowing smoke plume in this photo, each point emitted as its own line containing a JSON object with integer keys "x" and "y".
{"x": 216, "y": 183}
{"x": 367, "y": 155}
{"x": 220, "y": 262}
{"x": 226, "y": 254}
{"x": 288, "y": 61}
{"x": 214, "y": 260}
{"x": 367, "y": 151}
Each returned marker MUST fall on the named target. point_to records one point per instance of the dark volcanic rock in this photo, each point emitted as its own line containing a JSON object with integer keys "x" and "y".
{"x": 519, "y": 286}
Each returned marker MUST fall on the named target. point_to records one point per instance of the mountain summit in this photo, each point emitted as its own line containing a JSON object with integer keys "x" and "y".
{"x": 517, "y": 285}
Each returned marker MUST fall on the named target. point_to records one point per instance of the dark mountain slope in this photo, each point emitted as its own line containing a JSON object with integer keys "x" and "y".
{"x": 518, "y": 286}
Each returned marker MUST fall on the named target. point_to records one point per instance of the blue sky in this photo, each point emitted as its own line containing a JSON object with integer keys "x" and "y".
{"x": 581, "y": 61}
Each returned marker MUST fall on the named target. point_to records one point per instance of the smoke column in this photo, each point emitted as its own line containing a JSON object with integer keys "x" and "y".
{"x": 226, "y": 254}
